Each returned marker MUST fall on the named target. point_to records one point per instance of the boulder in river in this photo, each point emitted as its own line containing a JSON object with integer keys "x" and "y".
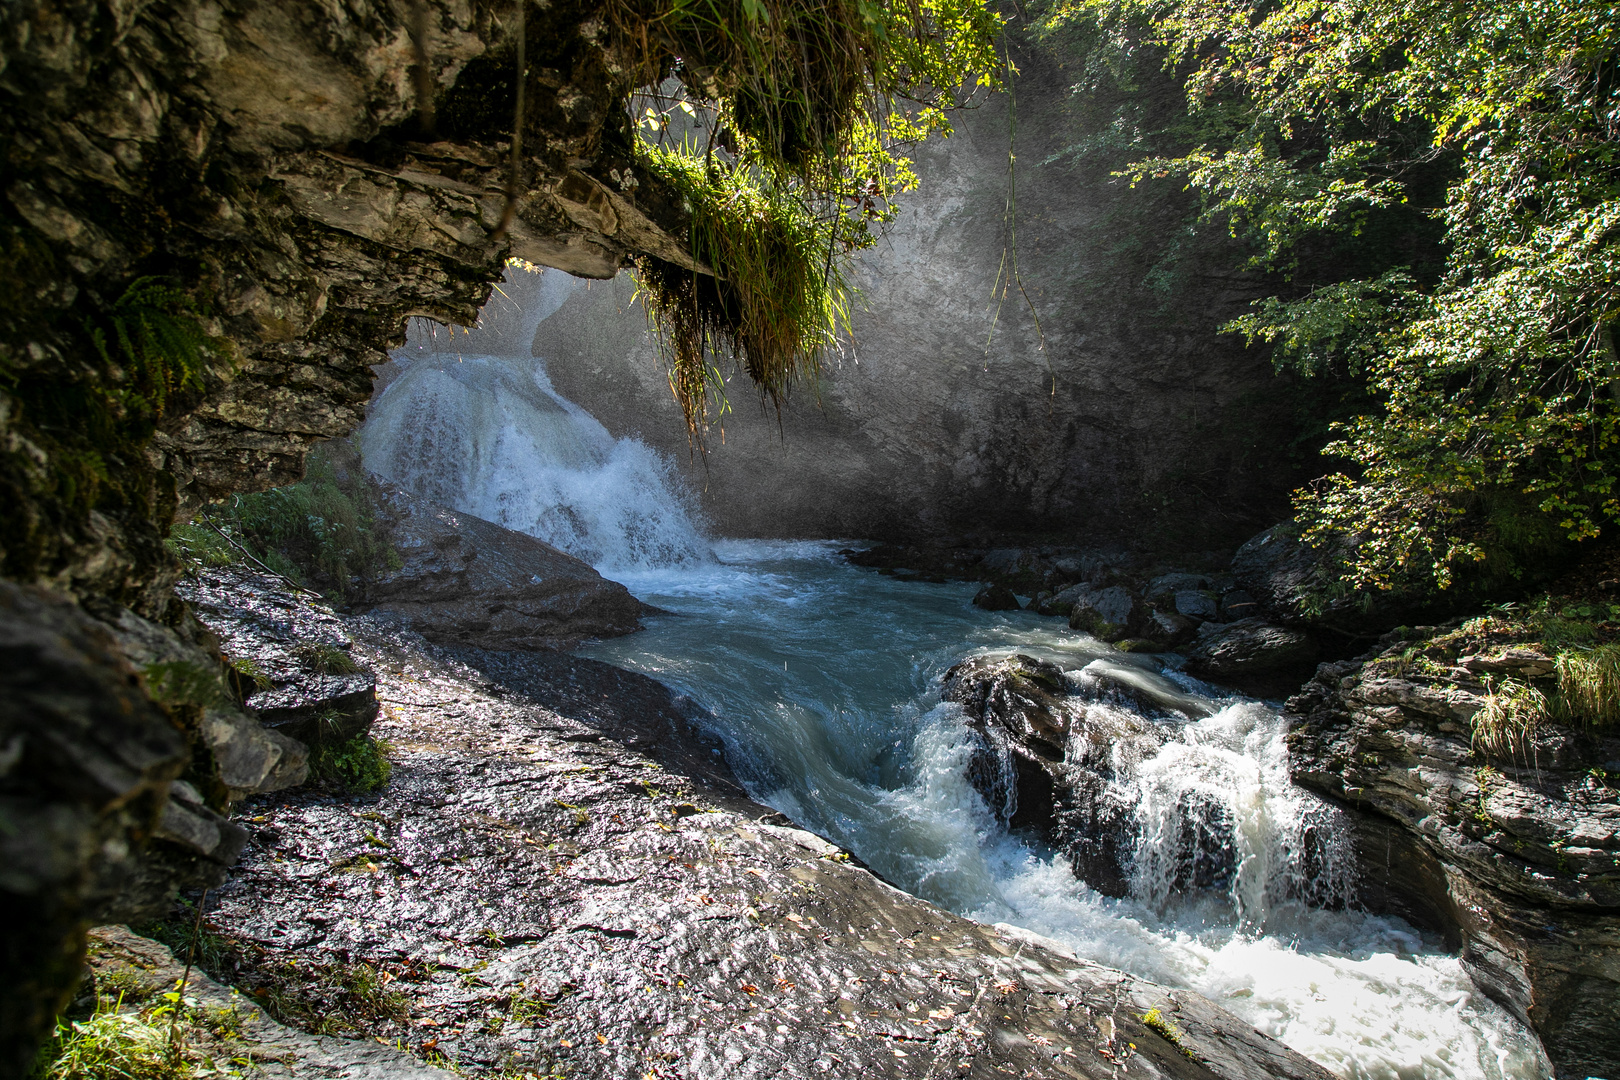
{"x": 996, "y": 598}
{"x": 468, "y": 581}
{"x": 1047, "y": 757}
{"x": 1108, "y": 614}
{"x": 1252, "y": 655}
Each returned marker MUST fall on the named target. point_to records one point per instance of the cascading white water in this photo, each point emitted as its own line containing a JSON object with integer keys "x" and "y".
{"x": 1216, "y": 807}
{"x": 472, "y": 423}
{"x": 824, "y": 682}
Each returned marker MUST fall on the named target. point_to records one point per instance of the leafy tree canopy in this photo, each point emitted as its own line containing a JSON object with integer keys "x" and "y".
{"x": 1489, "y": 349}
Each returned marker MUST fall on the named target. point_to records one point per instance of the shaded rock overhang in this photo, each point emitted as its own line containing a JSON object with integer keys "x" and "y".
{"x": 312, "y": 175}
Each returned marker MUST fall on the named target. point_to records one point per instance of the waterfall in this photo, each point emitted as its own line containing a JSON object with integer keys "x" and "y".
{"x": 1215, "y": 809}
{"x": 471, "y": 422}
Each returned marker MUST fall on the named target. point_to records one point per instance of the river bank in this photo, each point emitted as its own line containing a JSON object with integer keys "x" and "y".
{"x": 561, "y": 877}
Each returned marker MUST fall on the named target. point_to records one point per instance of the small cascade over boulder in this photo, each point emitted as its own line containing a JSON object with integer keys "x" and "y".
{"x": 1149, "y": 791}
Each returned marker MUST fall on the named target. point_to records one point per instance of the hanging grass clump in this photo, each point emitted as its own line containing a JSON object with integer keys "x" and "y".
{"x": 796, "y": 115}
{"x": 774, "y": 303}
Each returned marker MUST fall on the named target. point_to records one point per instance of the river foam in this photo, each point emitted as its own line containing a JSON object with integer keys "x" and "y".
{"x": 825, "y": 682}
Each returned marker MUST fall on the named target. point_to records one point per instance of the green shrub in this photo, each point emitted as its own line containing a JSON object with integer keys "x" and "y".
{"x": 322, "y": 531}
{"x": 359, "y": 764}
{"x": 327, "y": 659}
{"x": 201, "y": 545}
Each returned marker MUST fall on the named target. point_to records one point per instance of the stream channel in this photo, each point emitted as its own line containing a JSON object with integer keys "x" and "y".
{"x": 824, "y": 682}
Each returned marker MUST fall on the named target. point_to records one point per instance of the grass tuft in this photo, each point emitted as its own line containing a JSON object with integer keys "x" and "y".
{"x": 1512, "y": 714}
{"x": 327, "y": 659}
{"x": 1589, "y": 683}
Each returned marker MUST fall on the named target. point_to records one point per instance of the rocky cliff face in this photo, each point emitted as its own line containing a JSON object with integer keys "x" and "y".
{"x": 1123, "y": 415}
{"x": 272, "y": 166}
{"x": 270, "y": 159}
{"x": 1515, "y": 856}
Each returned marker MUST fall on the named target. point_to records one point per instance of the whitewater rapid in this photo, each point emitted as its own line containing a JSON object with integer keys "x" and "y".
{"x": 825, "y": 680}
{"x": 824, "y": 684}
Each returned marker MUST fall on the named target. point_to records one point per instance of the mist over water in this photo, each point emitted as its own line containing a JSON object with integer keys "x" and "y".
{"x": 472, "y": 423}
{"x": 824, "y": 681}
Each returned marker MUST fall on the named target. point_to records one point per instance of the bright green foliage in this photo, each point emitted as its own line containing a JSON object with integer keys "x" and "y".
{"x": 322, "y": 530}
{"x": 201, "y": 545}
{"x": 1498, "y": 377}
{"x": 801, "y": 110}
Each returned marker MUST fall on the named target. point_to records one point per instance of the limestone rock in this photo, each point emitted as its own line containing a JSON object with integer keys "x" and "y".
{"x": 1517, "y": 861}
{"x": 1196, "y": 604}
{"x": 1251, "y": 653}
{"x": 1048, "y": 752}
{"x": 1166, "y": 585}
{"x": 1171, "y": 628}
{"x": 1108, "y": 614}
{"x": 86, "y": 760}
{"x": 1237, "y": 604}
{"x": 141, "y": 968}
{"x": 995, "y": 598}
{"x": 522, "y": 871}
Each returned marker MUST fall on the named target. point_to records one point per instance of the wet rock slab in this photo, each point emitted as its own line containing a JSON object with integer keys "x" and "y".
{"x": 543, "y": 898}
{"x": 1515, "y": 857}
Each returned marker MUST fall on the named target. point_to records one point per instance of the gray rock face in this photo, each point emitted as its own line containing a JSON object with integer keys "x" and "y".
{"x": 1102, "y": 424}
{"x": 1109, "y": 614}
{"x": 85, "y": 766}
{"x": 544, "y": 898}
{"x": 1518, "y": 860}
{"x": 469, "y": 581}
{"x": 270, "y": 153}
{"x": 1195, "y": 604}
{"x": 1250, "y": 653}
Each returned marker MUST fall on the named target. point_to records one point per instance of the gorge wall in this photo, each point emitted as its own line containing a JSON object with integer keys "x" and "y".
{"x": 1124, "y": 415}
{"x": 269, "y": 164}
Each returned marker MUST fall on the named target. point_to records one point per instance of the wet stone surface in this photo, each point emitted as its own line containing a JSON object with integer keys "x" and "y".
{"x": 530, "y": 895}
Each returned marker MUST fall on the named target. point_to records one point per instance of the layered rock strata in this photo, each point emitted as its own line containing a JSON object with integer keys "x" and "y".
{"x": 281, "y": 185}
{"x": 1515, "y": 856}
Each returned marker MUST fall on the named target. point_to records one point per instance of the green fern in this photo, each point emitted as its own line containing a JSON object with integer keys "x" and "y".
{"x": 159, "y": 340}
